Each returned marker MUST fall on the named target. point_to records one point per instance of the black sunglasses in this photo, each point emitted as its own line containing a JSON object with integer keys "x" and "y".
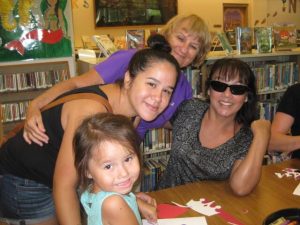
{"x": 235, "y": 89}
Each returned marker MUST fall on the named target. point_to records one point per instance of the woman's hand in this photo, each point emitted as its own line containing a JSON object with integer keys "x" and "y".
{"x": 147, "y": 206}
{"x": 261, "y": 128}
{"x": 34, "y": 130}
{"x": 146, "y": 198}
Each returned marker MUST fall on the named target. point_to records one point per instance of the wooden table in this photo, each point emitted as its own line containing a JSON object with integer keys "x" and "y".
{"x": 271, "y": 194}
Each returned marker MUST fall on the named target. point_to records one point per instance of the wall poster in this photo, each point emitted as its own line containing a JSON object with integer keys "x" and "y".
{"x": 133, "y": 12}
{"x": 32, "y": 29}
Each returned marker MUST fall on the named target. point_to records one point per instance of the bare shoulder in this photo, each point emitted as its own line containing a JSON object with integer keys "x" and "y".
{"x": 115, "y": 210}
{"x": 83, "y": 106}
{"x": 114, "y": 202}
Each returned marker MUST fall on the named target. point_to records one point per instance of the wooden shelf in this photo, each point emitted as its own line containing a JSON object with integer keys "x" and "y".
{"x": 59, "y": 68}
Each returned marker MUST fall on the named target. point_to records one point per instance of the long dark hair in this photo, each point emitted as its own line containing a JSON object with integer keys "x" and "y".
{"x": 230, "y": 68}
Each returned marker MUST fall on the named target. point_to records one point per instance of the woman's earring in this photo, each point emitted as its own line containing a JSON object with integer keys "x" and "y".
{"x": 246, "y": 99}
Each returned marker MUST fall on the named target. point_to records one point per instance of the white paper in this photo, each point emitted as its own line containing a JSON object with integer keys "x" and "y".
{"x": 180, "y": 221}
{"x": 204, "y": 207}
{"x": 297, "y": 190}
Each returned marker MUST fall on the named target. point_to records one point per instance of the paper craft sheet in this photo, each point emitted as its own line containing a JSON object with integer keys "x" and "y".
{"x": 297, "y": 190}
{"x": 180, "y": 221}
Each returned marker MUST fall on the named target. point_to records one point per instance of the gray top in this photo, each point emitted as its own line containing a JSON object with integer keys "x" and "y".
{"x": 189, "y": 160}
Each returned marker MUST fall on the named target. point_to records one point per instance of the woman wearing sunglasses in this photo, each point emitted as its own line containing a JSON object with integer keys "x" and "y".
{"x": 220, "y": 139}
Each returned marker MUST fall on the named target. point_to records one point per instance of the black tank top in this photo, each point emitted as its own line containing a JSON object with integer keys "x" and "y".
{"x": 33, "y": 161}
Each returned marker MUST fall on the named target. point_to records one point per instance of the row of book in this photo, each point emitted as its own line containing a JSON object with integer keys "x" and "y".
{"x": 31, "y": 80}
{"x": 267, "y": 109}
{"x": 276, "y": 76}
{"x": 14, "y": 111}
{"x": 156, "y": 139}
{"x": 132, "y": 39}
{"x": 151, "y": 173}
{"x": 282, "y": 37}
{"x": 194, "y": 77}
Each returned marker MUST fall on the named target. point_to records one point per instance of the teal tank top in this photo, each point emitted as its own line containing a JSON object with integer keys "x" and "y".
{"x": 92, "y": 201}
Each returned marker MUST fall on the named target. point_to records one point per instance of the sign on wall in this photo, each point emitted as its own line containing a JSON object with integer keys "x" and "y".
{"x": 34, "y": 29}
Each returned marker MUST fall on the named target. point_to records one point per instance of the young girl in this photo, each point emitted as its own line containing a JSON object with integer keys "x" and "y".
{"x": 31, "y": 171}
{"x": 107, "y": 161}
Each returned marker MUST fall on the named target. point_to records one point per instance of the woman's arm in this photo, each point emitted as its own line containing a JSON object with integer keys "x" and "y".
{"x": 147, "y": 208}
{"x": 246, "y": 173}
{"x": 280, "y": 138}
{"x": 65, "y": 177}
{"x": 34, "y": 130}
{"x": 65, "y": 183}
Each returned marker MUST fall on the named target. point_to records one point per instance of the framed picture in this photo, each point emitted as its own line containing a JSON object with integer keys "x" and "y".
{"x": 234, "y": 15}
{"x": 127, "y": 12}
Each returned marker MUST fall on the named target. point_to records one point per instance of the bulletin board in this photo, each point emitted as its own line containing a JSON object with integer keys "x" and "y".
{"x": 133, "y": 12}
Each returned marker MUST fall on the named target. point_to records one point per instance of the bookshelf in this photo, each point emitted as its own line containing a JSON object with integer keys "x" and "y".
{"x": 21, "y": 81}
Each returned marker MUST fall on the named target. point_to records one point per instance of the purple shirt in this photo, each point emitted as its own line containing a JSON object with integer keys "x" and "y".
{"x": 114, "y": 68}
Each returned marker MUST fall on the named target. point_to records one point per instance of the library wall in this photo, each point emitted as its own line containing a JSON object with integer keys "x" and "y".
{"x": 266, "y": 12}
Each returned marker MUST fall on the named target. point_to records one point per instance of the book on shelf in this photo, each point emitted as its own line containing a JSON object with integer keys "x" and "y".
{"x": 87, "y": 42}
{"x": 230, "y": 34}
{"x": 13, "y": 82}
{"x": 276, "y": 76}
{"x": 225, "y": 43}
{"x": 10, "y": 112}
{"x": 105, "y": 44}
{"x": 135, "y": 39}
{"x": 285, "y": 37}
{"x": 152, "y": 171}
{"x": 263, "y": 36}
{"x": 267, "y": 109}
{"x": 16, "y": 83}
{"x": 157, "y": 139}
{"x": 243, "y": 40}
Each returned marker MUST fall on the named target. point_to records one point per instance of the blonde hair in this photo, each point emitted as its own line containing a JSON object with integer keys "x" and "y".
{"x": 195, "y": 26}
